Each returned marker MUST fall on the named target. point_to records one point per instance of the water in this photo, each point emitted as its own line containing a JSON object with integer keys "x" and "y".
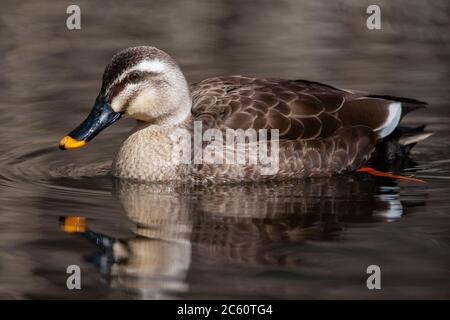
{"x": 305, "y": 239}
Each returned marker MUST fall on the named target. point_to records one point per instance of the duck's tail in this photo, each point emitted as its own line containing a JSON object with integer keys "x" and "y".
{"x": 391, "y": 153}
{"x": 402, "y": 139}
{"x": 394, "y": 140}
{"x": 407, "y": 104}
{"x": 382, "y": 113}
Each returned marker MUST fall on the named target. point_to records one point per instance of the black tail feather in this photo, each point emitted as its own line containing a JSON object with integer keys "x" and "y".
{"x": 399, "y": 143}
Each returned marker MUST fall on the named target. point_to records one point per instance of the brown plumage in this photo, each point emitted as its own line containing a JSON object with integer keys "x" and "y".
{"x": 300, "y": 109}
{"x": 323, "y": 130}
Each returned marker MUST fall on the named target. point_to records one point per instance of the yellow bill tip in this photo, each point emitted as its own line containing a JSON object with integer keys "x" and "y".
{"x": 70, "y": 143}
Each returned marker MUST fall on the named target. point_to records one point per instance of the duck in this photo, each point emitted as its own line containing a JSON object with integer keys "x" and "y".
{"x": 310, "y": 129}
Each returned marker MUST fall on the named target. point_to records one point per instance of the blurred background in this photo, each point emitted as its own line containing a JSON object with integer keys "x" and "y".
{"x": 294, "y": 241}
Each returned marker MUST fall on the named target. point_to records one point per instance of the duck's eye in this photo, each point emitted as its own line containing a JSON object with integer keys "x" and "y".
{"x": 134, "y": 76}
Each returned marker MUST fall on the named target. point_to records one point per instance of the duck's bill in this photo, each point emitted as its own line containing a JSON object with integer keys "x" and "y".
{"x": 101, "y": 116}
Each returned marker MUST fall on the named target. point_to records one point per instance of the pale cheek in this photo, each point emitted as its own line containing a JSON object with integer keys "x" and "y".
{"x": 146, "y": 105}
{"x": 119, "y": 101}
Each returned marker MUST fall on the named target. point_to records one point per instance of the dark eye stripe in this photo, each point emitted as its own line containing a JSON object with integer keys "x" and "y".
{"x": 118, "y": 87}
{"x": 115, "y": 89}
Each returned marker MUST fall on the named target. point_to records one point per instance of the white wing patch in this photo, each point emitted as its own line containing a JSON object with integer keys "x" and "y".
{"x": 393, "y": 119}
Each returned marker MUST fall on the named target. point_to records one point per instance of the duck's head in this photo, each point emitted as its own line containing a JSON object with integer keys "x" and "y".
{"x": 142, "y": 83}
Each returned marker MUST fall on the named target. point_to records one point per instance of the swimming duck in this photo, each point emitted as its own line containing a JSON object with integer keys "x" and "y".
{"x": 318, "y": 130}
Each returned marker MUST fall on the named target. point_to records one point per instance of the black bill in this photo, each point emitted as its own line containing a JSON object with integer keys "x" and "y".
{"x": 101, "y": 116}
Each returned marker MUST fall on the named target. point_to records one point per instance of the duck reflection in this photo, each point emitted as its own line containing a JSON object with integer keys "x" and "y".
{"x": 174, "y": 225}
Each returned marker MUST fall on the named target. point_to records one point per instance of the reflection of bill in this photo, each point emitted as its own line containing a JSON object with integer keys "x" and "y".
{"x": 73, "y": 224}
{"x": 152, "y": 264}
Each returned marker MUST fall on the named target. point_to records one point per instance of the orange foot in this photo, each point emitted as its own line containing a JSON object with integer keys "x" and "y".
{"x": 377, "y": 173}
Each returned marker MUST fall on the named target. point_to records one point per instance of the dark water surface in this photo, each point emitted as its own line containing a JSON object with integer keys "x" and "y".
{"x": 305, "y": 239}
